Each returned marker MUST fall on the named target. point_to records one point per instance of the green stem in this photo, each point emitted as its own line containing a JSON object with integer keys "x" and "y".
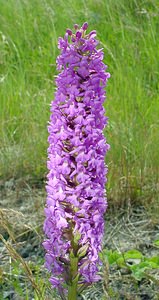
{"x": 72, "y": 288}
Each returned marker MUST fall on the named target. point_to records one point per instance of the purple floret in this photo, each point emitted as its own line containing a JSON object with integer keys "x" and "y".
{"x": 76, "y": 196}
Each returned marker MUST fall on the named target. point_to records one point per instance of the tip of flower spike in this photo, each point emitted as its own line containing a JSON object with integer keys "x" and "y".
{"x": 69, "y": 31}
{"x": 76, "y": 26}
{"x": 85, "y": 26}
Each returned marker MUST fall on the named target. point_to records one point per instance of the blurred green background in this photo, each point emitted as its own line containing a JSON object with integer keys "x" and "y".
{"x": 128, "y": 31}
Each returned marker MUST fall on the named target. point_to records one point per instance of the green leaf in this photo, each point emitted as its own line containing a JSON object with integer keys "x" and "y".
{"x": 133, "y": 254}
{"x": 138, "y": 271}
{"x": 156, "y": 242}
{"x": 111, "y": 256}
{"x": 121, "y": 262}
{"x": 153, "y": 262}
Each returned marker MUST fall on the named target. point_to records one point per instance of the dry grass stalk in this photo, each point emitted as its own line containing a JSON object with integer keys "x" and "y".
{"x": 15, "y": 255}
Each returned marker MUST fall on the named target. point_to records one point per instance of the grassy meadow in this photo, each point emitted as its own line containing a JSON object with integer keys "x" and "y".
{"x": 128, "y": 31}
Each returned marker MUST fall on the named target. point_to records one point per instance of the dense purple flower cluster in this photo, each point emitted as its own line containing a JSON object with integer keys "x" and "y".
{"x": 76, "y": 199}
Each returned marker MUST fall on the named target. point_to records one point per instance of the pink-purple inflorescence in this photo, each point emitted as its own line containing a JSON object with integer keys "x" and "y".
{"x": 76, "y": 198}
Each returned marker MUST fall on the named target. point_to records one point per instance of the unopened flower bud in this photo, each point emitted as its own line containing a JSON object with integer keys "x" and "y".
{"x": 85, "y": 26}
